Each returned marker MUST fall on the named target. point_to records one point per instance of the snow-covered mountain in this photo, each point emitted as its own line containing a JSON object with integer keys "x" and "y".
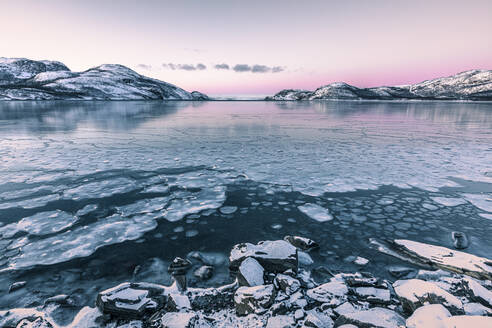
{"x": 469, "y": 85}
{"x": 24, "y": 79}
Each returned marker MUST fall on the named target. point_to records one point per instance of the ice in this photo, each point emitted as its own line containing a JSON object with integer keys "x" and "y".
{"x": 449, "y": 201}
{"x": 43, "y": 223}
{"x": 100, "y": 189}
{"x": 81, "y": 241}
{"x": 316, "y": 212}
{"x": 482, "y": 201}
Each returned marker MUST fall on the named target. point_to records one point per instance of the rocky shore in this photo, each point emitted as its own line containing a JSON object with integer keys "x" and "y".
{"x": 273, "y": 288}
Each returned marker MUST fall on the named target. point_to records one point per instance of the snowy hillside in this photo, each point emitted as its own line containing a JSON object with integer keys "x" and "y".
{"x": 24, "y": 79}
{"x": 469, "y": 85}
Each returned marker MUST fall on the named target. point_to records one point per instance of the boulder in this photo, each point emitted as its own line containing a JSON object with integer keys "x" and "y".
{"x": 373, "y": 295}
{"x": 317, "y": 319}
{"x": 467, "y": 321}
{"x": 250, "y": 273}
{"x": 477, "y": 309}
{"x": 477, "y": 292}
{"x": 302, "y": 243}
{"x": 414, "y": 293}
{"x": 287, "y": 284}
{"x": 253, "y": 299}
{"x": 204, "y": 272}
{"x": 437, "y": 257}
{"x": 130, "y": 300}
{"x": 373, "y": 318}
{"x": 334, "y": 293}
{"x": 178, "y": 320}
{"x": 274, "y": 256}
{"x": 280, "y": 321}
{"x": 431, "y": 315}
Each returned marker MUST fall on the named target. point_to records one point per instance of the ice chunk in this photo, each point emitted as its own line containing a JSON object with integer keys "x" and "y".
{"x": 316, "y": 212}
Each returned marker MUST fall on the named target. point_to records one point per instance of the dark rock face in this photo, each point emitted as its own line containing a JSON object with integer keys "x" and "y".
{"x": 469, "y": 85}
{"x": 24, "y": 79}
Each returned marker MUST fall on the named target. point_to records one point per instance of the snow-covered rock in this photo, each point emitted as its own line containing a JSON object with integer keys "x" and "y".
{"x": 317, "y": 319}
{"x": 372, "y": 318}
{"x": 178, "y": 320}
{"x": 478, "y": 292}
{"x": 302, "y": 243}
{"x": 373, "y": 295}
{"x": 253, "y": 299}
{"x": 287, "y": 284}
{"x": 280, "y": 321}
{"x": 274, "y": 256}
{"x": 334, "y": 293}
{"x": 250, "y": 273}
{"x": 468, "y": 85}
{"x": 24, "y": 79}
{"x": 477, "y": 309}
{"x": 467, "y": 321}
{"x": 414, "y": 293}
{"x": 431, "y": 315}
{"x": 437, "y": 257}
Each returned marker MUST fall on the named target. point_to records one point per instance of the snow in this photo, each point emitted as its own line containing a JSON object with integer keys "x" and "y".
{"x": 414, "y": 290}
{"x": 316, "y": 212}
{"x": 375, "y": 317}
{"x": 482, "y": 201}
{"x": 428, "y": 316}
{"x": 467, "y": 321}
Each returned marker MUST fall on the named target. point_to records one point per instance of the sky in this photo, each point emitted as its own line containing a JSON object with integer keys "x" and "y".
{"x": 228, "y": 47}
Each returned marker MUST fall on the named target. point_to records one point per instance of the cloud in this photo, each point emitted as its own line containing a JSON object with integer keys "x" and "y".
{"x": 241, "y": 68}
{"x": 144, "y": 66}
{"x": 277, "y": 69}
{"x": 221, "y": 66}
{"x": 260, "y": 69}
{"x": 185, "y": 67}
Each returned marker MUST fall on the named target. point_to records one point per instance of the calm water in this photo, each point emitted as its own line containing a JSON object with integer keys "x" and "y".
{"x": 96, "y": 193}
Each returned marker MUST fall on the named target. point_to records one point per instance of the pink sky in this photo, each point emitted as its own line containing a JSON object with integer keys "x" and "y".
{"x": 364, "y": 43}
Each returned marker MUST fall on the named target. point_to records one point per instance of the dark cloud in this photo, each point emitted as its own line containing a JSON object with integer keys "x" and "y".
{"x": 200, "y": 66}
{"x": 170, "y": 66}
{"x": 144, "y": 66}
{"x": 241, "y": 68}
{"x": 185, "y": 67}
{"x": 221, "y": 66}
{"x": 260, "y": 69}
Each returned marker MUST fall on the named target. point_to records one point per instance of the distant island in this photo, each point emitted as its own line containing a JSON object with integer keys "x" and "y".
{"x": 470, "y": 85}
{"x": 25, "y": 79}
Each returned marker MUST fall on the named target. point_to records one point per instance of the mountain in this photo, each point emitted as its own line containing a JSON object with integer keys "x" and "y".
{"x": 24, "y": 79}
{"x": 469, "y": 85}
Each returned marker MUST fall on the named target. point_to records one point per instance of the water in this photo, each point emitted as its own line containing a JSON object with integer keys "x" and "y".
{"x": 96, "y": 193}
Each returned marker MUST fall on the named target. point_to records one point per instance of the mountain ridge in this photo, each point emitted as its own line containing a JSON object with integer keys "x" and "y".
{"x": 25, "y": 79}
{"x": 473, "y": 85}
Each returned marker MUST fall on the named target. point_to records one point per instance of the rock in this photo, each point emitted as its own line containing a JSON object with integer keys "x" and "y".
{"x": 428, "y": 316}
{"x": 130, "y": 300}
{"x": 302, "y": 243}
{"x": 177, "y": 302}
{"x": 317, "y": 320}
{"x": 287, "y": 284}
{"x": 297, "y": 300}
{"x": 373, "y": 318}
{"x": 280, "y": 321}
{"x": 204, "y": 272}
{"x": 274, "y": 256}
{"x": 178, "y": 269}
{"x": 299, "y": 314}
{"x": 211, "y": 300}
{"x": 373, "y": 295}
{"x": 477, "y": 292}
{"x": 361, "y": 261}
{"x": 253, "y": 299}
{"x": 178, "y": 320}
{"x": 60, "y": 299}
{"x": 399, "y": 272}
{"x": 344, "y": 308}
{"x": 304, "y": 258}
{"x": 17, "y": 285}
{"x": 467, "y": 321}
{"x": 24, "y": 79}
{"x": 250, "y": 273}
{"x": 334, "y": 293}
{"x": 38, "y": 322}
{"x": 414, "y": 293}
{"x": 477, "y": 309}
{"x": 29, "y": 317}
{"x": 438, "y": 257}
{"x": 460, "y": 241}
